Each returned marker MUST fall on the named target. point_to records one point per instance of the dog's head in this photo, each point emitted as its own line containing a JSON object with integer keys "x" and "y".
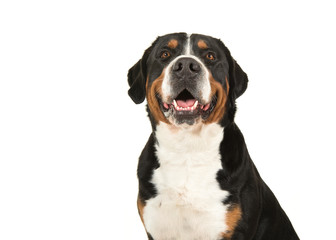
{"x": 187, "y": 79}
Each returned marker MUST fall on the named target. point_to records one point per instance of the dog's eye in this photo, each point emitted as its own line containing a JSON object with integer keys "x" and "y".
{"x": 210, "y": 56}
{"x": 165, "y": 54}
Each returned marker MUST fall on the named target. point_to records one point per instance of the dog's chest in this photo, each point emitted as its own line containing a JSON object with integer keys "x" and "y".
{"x": 189, "y": 202}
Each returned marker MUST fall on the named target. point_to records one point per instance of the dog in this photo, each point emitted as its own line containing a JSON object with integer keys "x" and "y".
{"x": 196, "y": 178}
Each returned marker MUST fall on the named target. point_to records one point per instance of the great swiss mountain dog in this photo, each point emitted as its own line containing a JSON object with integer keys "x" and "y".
{"x": 196, "y": 178}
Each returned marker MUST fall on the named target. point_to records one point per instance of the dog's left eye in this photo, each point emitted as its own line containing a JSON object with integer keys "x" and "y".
{"x": 165, "y": 54}
{"x": 210, "y": 56}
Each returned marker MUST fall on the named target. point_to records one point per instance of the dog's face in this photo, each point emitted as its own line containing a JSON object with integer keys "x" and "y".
{"x": 187, "y": 79}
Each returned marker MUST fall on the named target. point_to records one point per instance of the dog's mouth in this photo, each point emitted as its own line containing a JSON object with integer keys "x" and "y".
{"x": 185, "y": 108}
{"x": 186, "y": 103}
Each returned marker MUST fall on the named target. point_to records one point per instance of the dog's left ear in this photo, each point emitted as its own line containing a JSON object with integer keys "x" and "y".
{"x": 137, "y": 79}
{"x": 237, "y": 77}
{"x": 240, "y": 79}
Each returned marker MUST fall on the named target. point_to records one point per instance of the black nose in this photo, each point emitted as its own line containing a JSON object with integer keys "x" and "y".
{"x": 186, "y": 67}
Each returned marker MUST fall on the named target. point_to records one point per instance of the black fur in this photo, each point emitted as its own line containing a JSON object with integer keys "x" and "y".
{"x": 137, "y": 78}
{"x": 262, "y": 216}
{"x": 147, "y": 164}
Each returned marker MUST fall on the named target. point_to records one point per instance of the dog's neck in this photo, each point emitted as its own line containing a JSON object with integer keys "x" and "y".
{"x": 185, "y": 138}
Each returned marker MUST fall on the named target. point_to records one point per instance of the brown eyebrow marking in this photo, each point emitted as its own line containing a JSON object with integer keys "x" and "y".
{"x": 173, "y": 43}
{"x": 202, "y": 45}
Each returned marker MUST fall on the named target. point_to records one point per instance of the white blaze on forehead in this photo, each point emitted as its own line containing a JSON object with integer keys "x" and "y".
{"x": 204, "y": 86}
{"x": 187, "y": 47}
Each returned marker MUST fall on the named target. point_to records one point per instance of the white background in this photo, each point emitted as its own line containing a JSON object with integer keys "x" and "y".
{"x": 70, "y": 136}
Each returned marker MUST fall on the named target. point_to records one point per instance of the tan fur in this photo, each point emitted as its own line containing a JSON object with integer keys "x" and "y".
{"x": 172, "y": 44}
{"x": 202, "y": 45}
{"x": 151, "y": 91}
{"x": 218, "y": 90}
{"x": 141, "y": 207}
{"x": 232, "y": 219}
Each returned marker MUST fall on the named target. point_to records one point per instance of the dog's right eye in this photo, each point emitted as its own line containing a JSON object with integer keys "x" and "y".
{"x": 165, "y": 54}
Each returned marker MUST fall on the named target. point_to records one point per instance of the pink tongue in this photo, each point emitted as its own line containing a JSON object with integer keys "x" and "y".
{"x": 187, "y": 103}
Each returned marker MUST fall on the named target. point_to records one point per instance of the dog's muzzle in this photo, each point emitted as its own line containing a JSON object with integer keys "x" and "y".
{"x": 186, "y": 91}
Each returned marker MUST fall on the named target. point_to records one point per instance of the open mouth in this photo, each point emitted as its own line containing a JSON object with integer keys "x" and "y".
{"x": 186, "y": 108}
{"x": 186, "y": 102}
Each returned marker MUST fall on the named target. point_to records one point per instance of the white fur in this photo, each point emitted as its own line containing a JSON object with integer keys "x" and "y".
{"x": 188, "y": 205}
{"x": 187, "y": 47}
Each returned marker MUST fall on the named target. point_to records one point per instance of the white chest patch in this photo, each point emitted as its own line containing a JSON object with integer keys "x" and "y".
{"x": 188, "y": 205}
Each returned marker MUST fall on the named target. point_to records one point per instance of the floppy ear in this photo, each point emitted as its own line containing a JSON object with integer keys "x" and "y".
{"x": 137, "y": 79}
{"x": 240, "y": 78}
{"x": 237, "y": 77}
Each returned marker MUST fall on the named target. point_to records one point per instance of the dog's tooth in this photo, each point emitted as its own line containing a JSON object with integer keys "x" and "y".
{"x": 174, "y": 103}
{"x": 195, "y": 104}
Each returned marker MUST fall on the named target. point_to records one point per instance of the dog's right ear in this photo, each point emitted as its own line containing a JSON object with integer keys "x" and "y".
{"x": 137, "y": 78}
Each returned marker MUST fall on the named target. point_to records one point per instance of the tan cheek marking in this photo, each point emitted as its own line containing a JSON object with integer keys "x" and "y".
{"x": 151, "y": 91}
{"x": 232, "y": 219}
{"x": 202, "y": 45}
{"x": 173, "y": 43}
{"x": 222, "y": 95}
